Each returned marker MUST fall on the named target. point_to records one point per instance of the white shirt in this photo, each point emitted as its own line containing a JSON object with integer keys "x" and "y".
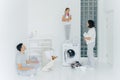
{"x": 21, "y": 59}
{"x": 91, "y": 33}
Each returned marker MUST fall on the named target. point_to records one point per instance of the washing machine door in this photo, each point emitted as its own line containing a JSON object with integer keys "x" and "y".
{"x": 70, "y": 53}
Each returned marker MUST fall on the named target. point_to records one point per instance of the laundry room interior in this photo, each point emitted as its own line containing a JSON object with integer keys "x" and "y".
{"x": 39, "y": 26}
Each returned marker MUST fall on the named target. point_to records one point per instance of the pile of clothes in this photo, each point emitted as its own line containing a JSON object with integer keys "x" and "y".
{"x": 75, "y": 64}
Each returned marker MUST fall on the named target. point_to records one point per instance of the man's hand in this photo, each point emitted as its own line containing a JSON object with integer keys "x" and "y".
{"x": 36, "y": 62}
{"x": 20, "y": 67}
{"x": 32, "y": 62}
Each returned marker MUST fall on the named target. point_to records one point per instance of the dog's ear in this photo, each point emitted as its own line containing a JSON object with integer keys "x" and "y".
{"x": 54, "y": 57}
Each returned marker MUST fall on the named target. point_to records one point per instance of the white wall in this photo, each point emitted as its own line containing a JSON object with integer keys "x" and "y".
{"x": 112, "y": 7}
{"x": 45, "y": 17}
{"x": 101, "y": 33}
{"x": 117, "y": 38}
{"x": 13, "y": 24}
{"x": 109, "y": 27}
{"x": 105, "y": 31}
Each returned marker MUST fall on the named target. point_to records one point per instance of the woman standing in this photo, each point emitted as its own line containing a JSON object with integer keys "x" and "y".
{"x": 66, "y": 19}
{"x": 90, "y": 40}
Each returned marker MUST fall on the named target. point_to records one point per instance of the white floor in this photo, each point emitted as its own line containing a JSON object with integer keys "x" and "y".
{"x": 101, "y": 72}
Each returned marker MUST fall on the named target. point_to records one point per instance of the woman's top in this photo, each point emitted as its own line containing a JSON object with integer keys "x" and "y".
{"x": 91, "y": 33}
{"x": 67, "y": 22}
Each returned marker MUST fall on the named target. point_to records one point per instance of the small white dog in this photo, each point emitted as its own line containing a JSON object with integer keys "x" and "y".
{"x": 49, "y": 66}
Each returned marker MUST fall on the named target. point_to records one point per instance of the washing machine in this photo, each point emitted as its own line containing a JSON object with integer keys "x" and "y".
{"x": 71, "y": 53}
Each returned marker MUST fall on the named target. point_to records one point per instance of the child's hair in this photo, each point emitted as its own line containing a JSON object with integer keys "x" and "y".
{"x": 19, "y": 46}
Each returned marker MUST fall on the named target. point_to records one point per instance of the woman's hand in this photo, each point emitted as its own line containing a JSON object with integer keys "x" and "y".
{"x": 87, "y": 38}
{"x": 66, "y": 19}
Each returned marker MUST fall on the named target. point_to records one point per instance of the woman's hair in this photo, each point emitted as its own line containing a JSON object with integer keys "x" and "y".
{"x": 67, "y": 9}
{"x": 91, "y": 23}
{"x": 19, "y": 46}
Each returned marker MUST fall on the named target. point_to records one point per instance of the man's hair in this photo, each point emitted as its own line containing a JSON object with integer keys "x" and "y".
{"x": 19, "y": 46}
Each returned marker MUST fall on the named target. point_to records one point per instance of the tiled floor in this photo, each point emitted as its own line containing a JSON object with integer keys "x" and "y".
{"x": 101, "y": 72}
